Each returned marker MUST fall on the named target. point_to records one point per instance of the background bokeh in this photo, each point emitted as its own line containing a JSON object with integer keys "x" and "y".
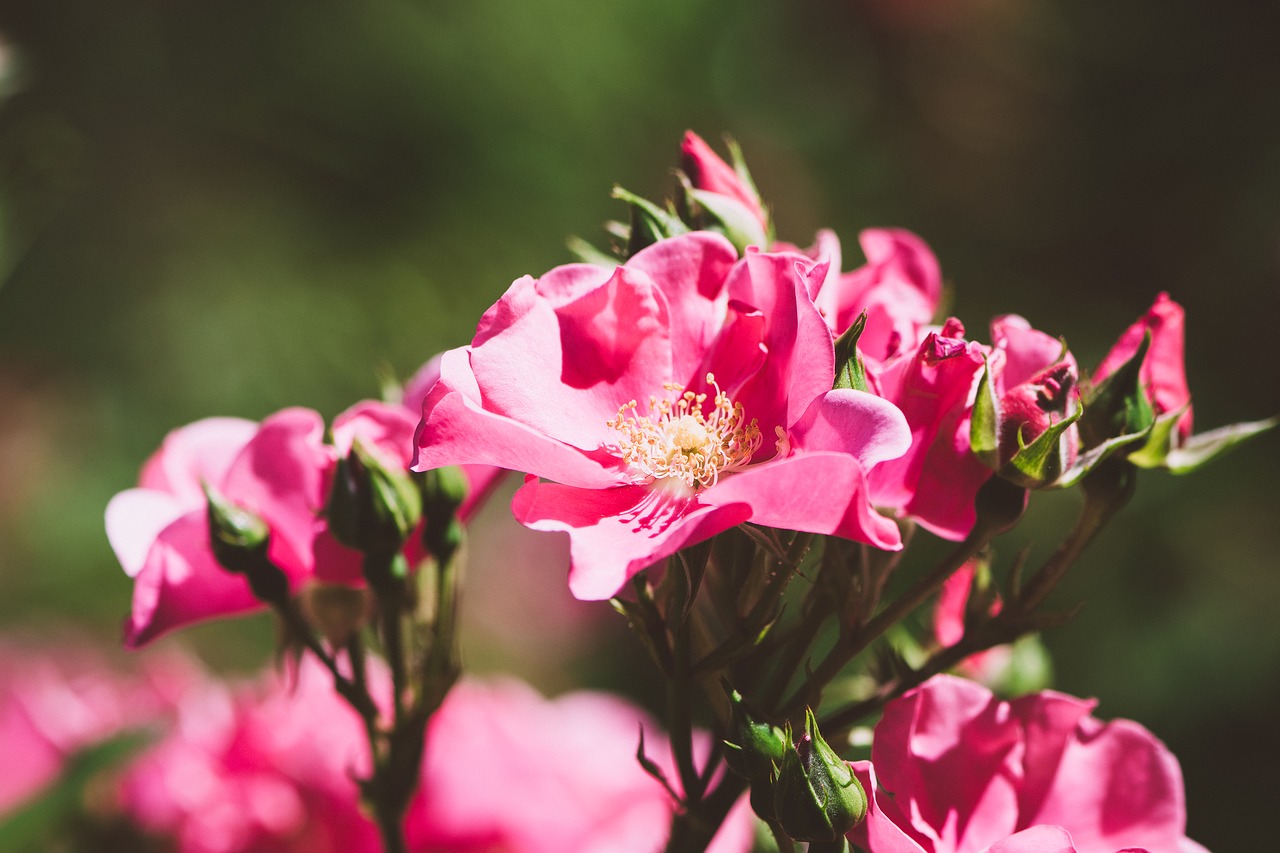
{"x": 229, "y": 207}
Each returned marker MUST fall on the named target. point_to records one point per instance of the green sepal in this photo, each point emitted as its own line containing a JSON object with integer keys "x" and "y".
{"x": 850, "y": 371}
{"x": 649, "y": 222}
{"x": 1118, "y": 405}
{"x": 708, "y": 211}
{"x": 585, "y": 253}
{"x": 1160, "y": 440}
{"x": 372, "y": 507}
{"x": 1039, "y": 463}
{"x": 1201, "y": 449}
{"x": 1092, "y": 458}
{"x": 755, "y": 747}
{"x": 239, "y": 540}
{"x": 984, "y": 426}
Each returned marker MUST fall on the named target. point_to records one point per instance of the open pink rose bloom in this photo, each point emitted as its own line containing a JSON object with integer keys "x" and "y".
{"x": 667, "y": 399}
{"x": 281, "y": 471}
{"x": 956, "y": 770}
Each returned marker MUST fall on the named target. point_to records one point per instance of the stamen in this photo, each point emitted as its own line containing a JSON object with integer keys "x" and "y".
{"x": 677, "y": 440}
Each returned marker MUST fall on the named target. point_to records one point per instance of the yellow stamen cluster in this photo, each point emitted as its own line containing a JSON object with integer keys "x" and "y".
{"x": 678, "y": 440}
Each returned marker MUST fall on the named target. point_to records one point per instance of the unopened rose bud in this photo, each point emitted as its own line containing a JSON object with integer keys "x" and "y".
{"x": 817, "y": 797}
{"x": 239, "y": 541}
{"x": 443, "y": 492}
{"x": 372, "y": 507}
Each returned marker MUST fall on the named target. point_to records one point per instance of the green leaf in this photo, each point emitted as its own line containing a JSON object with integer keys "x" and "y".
{"x": 586, "y": 253}
{"x": 1090, "y": 459}
{"x": 1207, "y": 446}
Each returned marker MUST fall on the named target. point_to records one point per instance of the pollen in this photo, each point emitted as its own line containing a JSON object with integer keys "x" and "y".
{"x": 683, "y": 439}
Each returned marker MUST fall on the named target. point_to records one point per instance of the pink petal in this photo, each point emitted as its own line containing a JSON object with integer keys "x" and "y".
{"x": 1163, "y": 371}
{"x": 1117, "y": 786}
{"x": 564, "y": 370}
{"x": 134, "y": 518}
{"x": 884, "y": 830}
{"x": 181, "y": 583}
{"x": 691, "y": 270}
{"x": 948, "y": 750}
{"x": 196, "y": 453}
{"x": 869, "y": 428}
{"x": 283, "y": 475}
{"x": 1027, "y": 351}
{"x": 1037, "y": 839}
{"x": 457, "y": 430}
{"x": 801, "y": 357}
{"x": 381, "y": 427}
{"x": 708, "y": 171}
{"x": 615, "y": 533}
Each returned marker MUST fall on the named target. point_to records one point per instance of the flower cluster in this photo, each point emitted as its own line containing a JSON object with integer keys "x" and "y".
{"x": 739, "y": 439}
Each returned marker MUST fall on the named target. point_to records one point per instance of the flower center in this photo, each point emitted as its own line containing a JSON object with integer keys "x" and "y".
{"x": 678, "y": 440}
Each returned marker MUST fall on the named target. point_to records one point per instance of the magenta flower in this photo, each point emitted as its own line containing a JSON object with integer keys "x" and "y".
{"x": 508, "y": 770}
{"x": 160, "y": 532}
{"x": 954, "y": 769}
{"x": 668, "y": 399}
{"x": 1162, "y": 373}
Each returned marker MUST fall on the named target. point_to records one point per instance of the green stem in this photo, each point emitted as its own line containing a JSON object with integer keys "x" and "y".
{"x": 848, "y": 646}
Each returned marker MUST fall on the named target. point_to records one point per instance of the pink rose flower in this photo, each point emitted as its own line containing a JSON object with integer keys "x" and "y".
{"x": 669, "y": 399}
{"x": 281, "y": 471}
{"x": 954, "y": 769}
{"x": 508, "y": 770}
{"x": 159, "y": 531}
{"x": 708, "y": 171}
{"x": 1162, "y": 373}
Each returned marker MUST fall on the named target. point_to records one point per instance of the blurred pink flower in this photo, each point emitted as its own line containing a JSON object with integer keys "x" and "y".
{"x": 954, "y": 769}
{"x": 736, "y": 366}
{"x": 1163, "y": 373}
{"x": 509, "y": 770}
{"x": 57, "y": 700}
{"x": 256, "y": 768}
{"x": 270, "y": 767}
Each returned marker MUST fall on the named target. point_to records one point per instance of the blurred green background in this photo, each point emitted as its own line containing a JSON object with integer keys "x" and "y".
{"x": 230, "y": 207}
